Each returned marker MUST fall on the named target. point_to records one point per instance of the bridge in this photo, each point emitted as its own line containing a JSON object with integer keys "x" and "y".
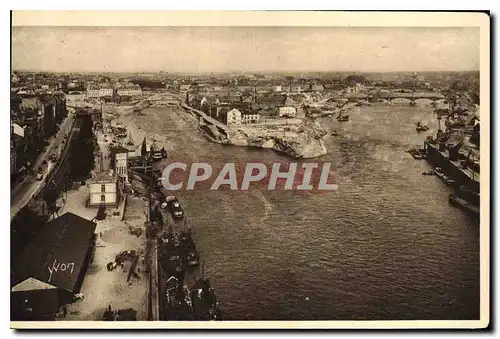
{"x": 389, "y": 96}
{"x": 207, "y": 120}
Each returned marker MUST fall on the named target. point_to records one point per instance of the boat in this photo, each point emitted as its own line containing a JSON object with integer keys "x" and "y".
{"x": 172, "y": 255}
{"x": 156, "y": 153}
{"x": 341, "y": 117}
{"x": 431, "y": 172}
{"x": 164, "y": 153}
{"x": 204, "y": 301}
{"x": 463, "y": 204}
{"x": 192, "y": 254}
{"x": 440, "y": 174}
{"x": 421, "y": 128}
{"x": 177, "y": 301}
{"x": 417, "y": 153}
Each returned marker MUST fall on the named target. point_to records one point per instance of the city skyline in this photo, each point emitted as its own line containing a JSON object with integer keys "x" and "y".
{"x": 244, "y": 49}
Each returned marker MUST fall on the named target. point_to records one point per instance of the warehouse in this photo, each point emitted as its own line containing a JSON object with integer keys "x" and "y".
{"x": 51, "y": 269}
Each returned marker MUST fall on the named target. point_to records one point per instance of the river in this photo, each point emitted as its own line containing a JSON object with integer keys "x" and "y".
{"x": 386, "y": 245}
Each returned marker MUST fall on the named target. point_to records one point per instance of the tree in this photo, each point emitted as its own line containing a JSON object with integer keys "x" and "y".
{"x": 143, "y": 148}
{"x": 353, "y": 79}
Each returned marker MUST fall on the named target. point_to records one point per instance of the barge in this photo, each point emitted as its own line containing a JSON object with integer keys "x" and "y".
{"x": 451, "y": 166}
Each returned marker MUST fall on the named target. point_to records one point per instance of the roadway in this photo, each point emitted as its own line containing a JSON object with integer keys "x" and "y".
{"x": 30, "y": 187}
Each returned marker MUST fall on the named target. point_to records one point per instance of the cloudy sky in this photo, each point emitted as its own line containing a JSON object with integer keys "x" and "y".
{"x": 214, "y": 49}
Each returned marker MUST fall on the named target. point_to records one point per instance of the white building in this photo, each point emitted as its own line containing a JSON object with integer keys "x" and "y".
{"x": 233, "y": 117}
{"x": 184, "y": 88}
{"x": 277, "y": 89}
{"x": 93, "y": 92}
{"x": 75, "y": 99}
{"x": 250, "y": 118}
{"x": 317, "y": 88}
{"x": 103, "y": 189}
{"x": 287, "y": 111}
{"x": 105, "y": 92}
{"x": 129, "y": 92}
{"x": 121, "y": 163}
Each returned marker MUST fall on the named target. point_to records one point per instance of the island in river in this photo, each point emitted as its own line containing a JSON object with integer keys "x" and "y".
{"x": 299, "y": 138}
{"x": 295, "y": 137}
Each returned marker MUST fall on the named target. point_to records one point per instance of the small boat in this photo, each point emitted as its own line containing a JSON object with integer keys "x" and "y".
{"x": 204, "y": 301}
{"x": 421, "y": 128}
{"x": 193, "y": 257}
{"x": 431, "y": 172}
{"x": 440, "y": 174}
{"x": 342, "y": 118}
{"x": 417, "y": 153}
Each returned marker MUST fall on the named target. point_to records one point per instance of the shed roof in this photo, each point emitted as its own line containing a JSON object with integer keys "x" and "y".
{"x": 58, "y": 253}
{"x": 31, "y": 284}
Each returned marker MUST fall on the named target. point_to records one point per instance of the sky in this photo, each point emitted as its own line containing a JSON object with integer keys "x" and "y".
{"x": 252, "y": 49}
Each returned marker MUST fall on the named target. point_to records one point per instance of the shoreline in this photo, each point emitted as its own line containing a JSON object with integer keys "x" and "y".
{"x": 300, "y": 140}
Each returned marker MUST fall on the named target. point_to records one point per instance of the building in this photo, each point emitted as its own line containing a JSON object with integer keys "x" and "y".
{"x": 18, "y": 147}
{"x": 93, "y": 92}
{"x": 103, "y": 189}
{"x": 184, "y": 88}
{"x": 50, "y": 270}
{"x": 105, "y": 92}
{"x": 250, "y": 117}
{"x": 129, "y": 90}
{"x": 233, "y": 117}
{"x": 277, "y": 89}
{"x": 13, "y": 158}
{"x": 287, "y": 111}
{"x": 317, "y": 88}
{"x": 121, "y": 162}
{"x": 75, "y": 99}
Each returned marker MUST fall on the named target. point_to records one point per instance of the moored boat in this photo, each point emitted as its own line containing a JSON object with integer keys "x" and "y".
{"x": 440, "y": 174}
{"x": 177, "y": 301}
{"x": 192, "y": 254}
{"x": 204, "y": 301}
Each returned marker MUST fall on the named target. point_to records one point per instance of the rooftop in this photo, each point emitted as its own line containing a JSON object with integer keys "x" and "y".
{"x": 62, "y": 242}
{"x": 103, "y": 177}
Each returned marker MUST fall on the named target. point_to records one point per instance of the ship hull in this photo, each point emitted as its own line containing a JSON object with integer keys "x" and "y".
{"x": 450, "y": 169}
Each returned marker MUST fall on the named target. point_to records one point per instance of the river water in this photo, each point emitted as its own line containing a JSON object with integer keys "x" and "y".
{"x": 385, "y": 245}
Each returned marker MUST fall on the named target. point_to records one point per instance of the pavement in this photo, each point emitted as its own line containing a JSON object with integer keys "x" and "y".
{"x": 30, "y": 187}
{"x": 101, "y": 287}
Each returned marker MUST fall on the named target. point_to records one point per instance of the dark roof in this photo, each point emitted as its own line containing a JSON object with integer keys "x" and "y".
{"x": 102, "y": 177}
{"x": 119, "y": 149}
{"x": 274, "y": 100}
{"x": 61, "y": 246}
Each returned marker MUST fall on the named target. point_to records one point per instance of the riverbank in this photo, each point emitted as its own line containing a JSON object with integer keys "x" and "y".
{"x": 296, "y": 137}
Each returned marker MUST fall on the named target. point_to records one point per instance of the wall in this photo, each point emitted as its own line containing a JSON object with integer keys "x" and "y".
{"x": 95, "y": 194}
